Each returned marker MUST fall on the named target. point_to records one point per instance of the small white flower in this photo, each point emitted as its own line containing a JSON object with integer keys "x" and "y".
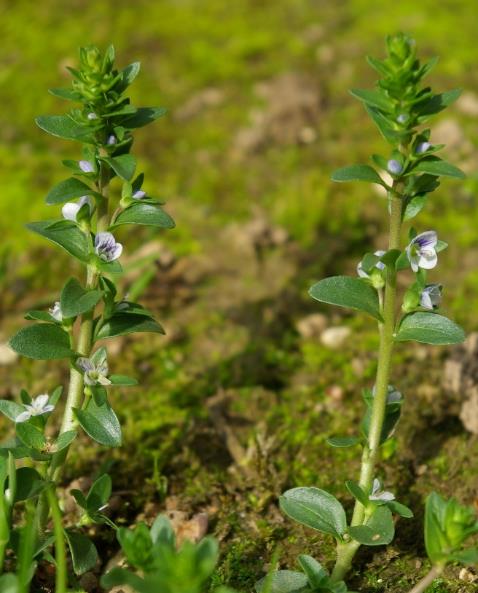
{"x": 421, "y": 251}
{"x": 70, "y": 209}
{"x": 430, "y": 297}
{"x": 38, "y": 406}
{"x": 92, "y": 116}
{"x": 379, "y": 265}
{"x": 106, "y": 247}
{"x": 139, "y": 194}
{"x": 394, "y": 167}
{"x": 86, "y": 166}
{"x": 55, "y": 311}
{"x": 402, "y": 118}
{"x": 111, "y": 139}
{"x": 379, "y": 494}
{"x": 95, "y": 368}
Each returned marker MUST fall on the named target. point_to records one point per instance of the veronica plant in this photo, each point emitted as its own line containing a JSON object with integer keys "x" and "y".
{"x": 86, "y": 221}
{"x": 157, "y": 563}
{"x": 400, "y": 106}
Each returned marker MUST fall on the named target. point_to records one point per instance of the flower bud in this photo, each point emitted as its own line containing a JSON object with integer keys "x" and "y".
{"x": 394, "y": 167}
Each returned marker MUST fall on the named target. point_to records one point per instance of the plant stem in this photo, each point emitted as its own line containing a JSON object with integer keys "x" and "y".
{"x": 60, "y": 547}
{"x": 346, "y": 551}
{"x": 428, "y": 579}
{"x": 27, "y": 546}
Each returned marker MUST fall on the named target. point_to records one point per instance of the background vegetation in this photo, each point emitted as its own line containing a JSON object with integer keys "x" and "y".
{"x": 236, "y": 402}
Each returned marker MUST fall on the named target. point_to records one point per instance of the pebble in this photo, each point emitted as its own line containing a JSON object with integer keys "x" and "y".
{"x": 312, "y": 326}
{"x": 7, "y": 355}
{"x": 335, "y": 337}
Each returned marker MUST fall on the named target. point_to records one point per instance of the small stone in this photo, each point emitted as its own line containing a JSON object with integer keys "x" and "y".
{"x": 335, "y": 337}
{"x": 7, "y": 355}
{"x": 422, "y": 469}
{"x": 312, "y": 325}
{"x": 467, "y": 576}
{"x": 468, "y": 104}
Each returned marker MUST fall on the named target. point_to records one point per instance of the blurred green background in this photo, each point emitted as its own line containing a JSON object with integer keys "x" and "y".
{"x": 259, "y": 116}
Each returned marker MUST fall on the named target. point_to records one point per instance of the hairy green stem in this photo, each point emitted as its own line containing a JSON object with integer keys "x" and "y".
{"x": 83, "y": 347}
{"x": 346, "y": 551}
{"x": 428, "y": 579}
{"x": 60, "y": 546}
{"x": 26, "y": 550}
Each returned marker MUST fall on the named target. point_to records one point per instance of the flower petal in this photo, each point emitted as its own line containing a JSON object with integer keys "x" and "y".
{"x": 70, "y": 210}
{"x": 23, "y": 417}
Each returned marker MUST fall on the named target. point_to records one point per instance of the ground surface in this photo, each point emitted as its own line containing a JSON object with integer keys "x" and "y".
{"x": 237, "y": 401}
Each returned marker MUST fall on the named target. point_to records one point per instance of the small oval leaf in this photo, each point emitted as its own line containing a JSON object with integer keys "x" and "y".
{"x": 345, "y": 291}
{"x": 430, "y": 328}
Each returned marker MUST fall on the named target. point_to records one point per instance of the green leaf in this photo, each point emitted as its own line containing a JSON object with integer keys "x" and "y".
{"x": 465, "y": 556}
{"x": 438, "y": 102}
{"x": 375, "y": 98}
{"x": 400, "y": 509}
{"x": 65, "y": 439}
{"x": 122, "y": 324}
{"x": 283, "y": 581}
{"x": 429, "y": 328}
{"x": 9, "y": 583}
{"x": 39, "y": 316}
{"x": 83, "y": 551}
{"x": 315, "y": 508}
{"x": 68, "y": 189}
{"x": 124, "y": 165}
{"x": 68, "y": 94}
{"x": 63, "y": 126}
{"x": 378, "y": 530}
{"x": 99, "y": 493}
{"x": 117, "y": 577}
{"x": 358, "y": 173}
{"x": 343, "y": 441}
{"x": 30, "y": 435}
{"x": 75, "y": 300}
{"x": 42, "y": 341}
{"x": 357, "y": 492}
{"x": 316, "y": 574}
{"x": 345, "y": 291}
{"x": 29, "y": 483}
{"x": 145, "y": 214}
{"x": 414, "y": 206}
{"x": 143, "y": 117}
{"x": 10, "y": 409}
{"x": 65, "y": 234}
{"x": 128, "y": 74}
{"x": 100, "y": 423}
{"x": 435, "y": 539}
{"x": 122, "y": 380}
{"x": 438, "y": 167}
{"x": 383, "y": 125}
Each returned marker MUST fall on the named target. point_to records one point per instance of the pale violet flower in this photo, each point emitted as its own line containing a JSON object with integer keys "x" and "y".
{"x": 379, "y": 494}
{"x": 422, "y": 147}
{"x": 86, "y": 166}
{"x": 70, "y": 209}
{"x": 92, "y": 116}
{"x": 394, "y": 167}
{"x": 379, "y": 265}
{"x": 139, "y": 194}
{"x": 421, "y": 251}
{"x": 430, "y": 297}
{"x": 38, "y": 406}
{"x": 402, "y": 118}
{"x": 111, "y": 139}
{"x": 393, "y": 395}
{"x": 95, "y": 369}
{"x": 106, "y": 247}
{"x": 55, "y": 311}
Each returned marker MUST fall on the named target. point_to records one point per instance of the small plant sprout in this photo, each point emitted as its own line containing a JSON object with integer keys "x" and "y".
{"x": 400, "y": 106}
{"x": 89, "y": 210}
